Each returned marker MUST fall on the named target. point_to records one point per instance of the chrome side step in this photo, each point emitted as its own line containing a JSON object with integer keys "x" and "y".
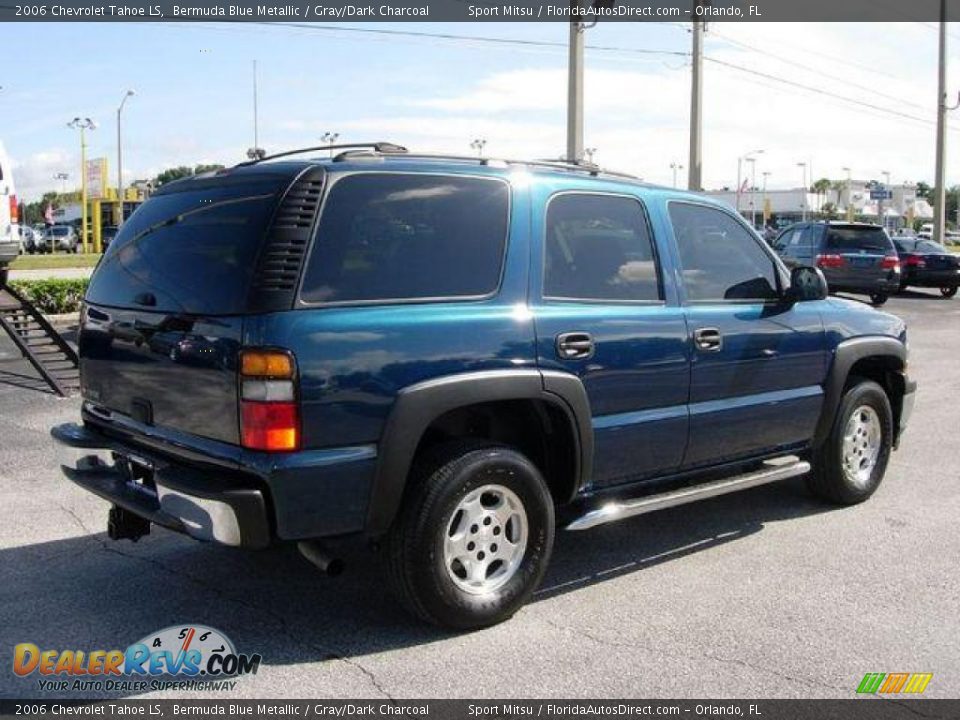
{"x": 773, "y": 470}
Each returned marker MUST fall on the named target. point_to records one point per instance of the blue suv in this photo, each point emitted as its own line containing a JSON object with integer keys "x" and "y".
{"x": 448, "y": 358}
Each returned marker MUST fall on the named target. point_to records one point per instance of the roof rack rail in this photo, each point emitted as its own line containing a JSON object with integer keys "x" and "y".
{"x": 383, "y": 148}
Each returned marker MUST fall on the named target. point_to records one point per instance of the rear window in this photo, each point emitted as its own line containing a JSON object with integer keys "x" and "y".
{"x": 192, "y": 251}
{"x": 852, "y": 238}
{"x": 404, "y": 237}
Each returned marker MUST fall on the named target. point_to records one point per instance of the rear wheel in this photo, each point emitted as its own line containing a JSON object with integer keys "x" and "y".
{"x": 948, "y": 292}
{"x": 878, "y": 299}
{"x": 850, "y": 466}
{"x": 473, "y": 538}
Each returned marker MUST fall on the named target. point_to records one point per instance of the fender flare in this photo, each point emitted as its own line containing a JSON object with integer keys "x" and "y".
{"x": 419, "y": 405}
{"x": 845, "y": 356}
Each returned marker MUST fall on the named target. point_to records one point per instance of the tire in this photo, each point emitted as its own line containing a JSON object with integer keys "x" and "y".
{"x": 830, "y": 478}
{"x": 878, "y": 299}
{"x": 948, "y": 292}
{"x": 427, "y": 578}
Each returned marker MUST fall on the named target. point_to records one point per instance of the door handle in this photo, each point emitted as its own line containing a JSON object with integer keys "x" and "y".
{"x": 708, "y": 339}
{"x": 575, "y": 346}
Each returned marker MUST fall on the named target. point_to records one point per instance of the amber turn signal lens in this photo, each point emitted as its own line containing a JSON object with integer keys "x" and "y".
{"x": 264, "y": 363}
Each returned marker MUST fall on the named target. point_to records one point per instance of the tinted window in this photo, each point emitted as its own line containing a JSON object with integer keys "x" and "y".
{"x": 853, "y": 238}
{"x": 191, "y": 251}
{"x": 720, "y": 259}
{"x": 598, "y": 247}
{"x": 386, "y": 236}
{"x": 929, "y": 246}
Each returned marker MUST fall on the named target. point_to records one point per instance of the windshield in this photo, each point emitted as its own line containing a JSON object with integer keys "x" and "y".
{"x": 60, "y": 231}
{"x": 855, "y": 238}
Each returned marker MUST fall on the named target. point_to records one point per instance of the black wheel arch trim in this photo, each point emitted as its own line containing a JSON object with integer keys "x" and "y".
{"x": 846, "y": 355}
{"x": 419, "y": 405}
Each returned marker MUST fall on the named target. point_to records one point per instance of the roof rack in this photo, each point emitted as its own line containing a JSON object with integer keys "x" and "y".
{"x": 382, "y": 148}
{"x": 386, "y": 149}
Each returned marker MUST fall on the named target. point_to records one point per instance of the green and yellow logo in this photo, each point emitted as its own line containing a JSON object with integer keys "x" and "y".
{"x": 891, "y": 683}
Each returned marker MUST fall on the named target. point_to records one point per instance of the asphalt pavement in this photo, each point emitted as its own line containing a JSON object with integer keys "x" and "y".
{"x": 766, "y": 593}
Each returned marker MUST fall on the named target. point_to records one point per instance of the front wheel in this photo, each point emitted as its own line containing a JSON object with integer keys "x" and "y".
{"x": 473, "y": 538}
{"x": 948, "y": 292}
{"x": 878, "y": 299}
{"x": 849, "y": 467}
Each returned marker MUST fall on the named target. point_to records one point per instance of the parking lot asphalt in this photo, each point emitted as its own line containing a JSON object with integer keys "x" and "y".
{"x": 765, "y": 593}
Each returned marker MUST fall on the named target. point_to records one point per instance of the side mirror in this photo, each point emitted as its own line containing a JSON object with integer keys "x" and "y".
{"x": 806, "y": 284}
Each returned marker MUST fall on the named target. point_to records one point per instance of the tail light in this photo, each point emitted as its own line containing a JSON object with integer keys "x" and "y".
{"x": 890, "y": 262}
{"x": 915, "y": 261}
{"x": 830, "y": 261}
{"x": 14, "y": 209}
{"x": 269, "y": 411}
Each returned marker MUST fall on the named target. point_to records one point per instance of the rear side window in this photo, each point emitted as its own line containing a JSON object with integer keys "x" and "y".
{"x": 407, "y": 236}
{"x": 850, "y": 238}
{"x": 189, "y": 252}
{"x": 598, "y": 247}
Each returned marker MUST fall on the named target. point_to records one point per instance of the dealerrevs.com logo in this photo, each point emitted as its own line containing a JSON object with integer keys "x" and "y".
{"x": 179, "y": 657}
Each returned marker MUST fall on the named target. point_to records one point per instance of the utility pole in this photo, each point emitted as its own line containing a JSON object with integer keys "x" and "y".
{"x": 575, "y": 85}
{"x": 940, "y": 191}
{"x": 695, "y": 164}
{"x": 256, "y": 152}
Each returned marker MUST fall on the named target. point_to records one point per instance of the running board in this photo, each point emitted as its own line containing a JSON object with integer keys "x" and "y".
{"x": 773, "y": 470}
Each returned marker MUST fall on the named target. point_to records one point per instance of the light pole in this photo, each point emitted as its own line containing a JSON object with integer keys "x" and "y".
{"x": 803, "y": 201}
{"x": 83, "y": 124}
{"x": 256, "y": 152}
{"x": 766, "y": 174}
{"x": 881, "y": 218}
{"x": 745, "y": 156}
{"x": 62, "y": 177}
{"x": 753, "y": 191}
{"x": 127, "y": 94}
{"x": 479, "y": 144}
{"x": 675, "y": 167}
{"x": 330, "y": 138}
{"x": 849, "y": 194}
{"x": 575, "y": 77}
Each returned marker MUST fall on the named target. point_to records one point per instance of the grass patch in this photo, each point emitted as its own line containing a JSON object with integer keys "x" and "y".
{"x": 59, "y": 260}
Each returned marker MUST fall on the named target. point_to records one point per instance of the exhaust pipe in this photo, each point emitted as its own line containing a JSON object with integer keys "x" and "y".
{"x": 317, "y": 554}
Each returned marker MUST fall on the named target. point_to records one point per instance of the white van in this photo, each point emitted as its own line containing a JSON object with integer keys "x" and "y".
{"x": 9, "y": 228}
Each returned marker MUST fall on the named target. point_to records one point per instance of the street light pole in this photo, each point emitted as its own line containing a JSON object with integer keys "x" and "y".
{"x": 82, "y": 124}
{"x": 753, "y": 191}
{"x": 127, "y": 94}
{"x": 675, "y": 166}
{"x": 803, "y": 201}
{"x": 330, "y": 138}
{"x": 849, "y": 195}
{"x": 745, "y": 156}
{"x": 766, "y": 174}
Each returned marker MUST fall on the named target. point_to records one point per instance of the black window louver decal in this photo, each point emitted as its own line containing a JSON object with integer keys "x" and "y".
{"x": 281, "y": 258}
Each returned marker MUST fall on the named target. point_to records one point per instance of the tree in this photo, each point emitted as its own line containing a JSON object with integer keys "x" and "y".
{"x": 829, "y": 211}
{"x": 821, "y": 186}
{"x": 182, "y": 171}
{"x": 923, "y": 190}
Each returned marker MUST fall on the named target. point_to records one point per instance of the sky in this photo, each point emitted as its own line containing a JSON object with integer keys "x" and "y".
{"x": 766, "y": 86}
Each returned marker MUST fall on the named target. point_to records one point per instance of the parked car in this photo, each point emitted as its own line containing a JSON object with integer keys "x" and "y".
{"x": 854, "y": 257}
{"x": 9, "y": 211}
{"x": 928, "y": 264}
{"x": 107, "y": 234}
{"x": 30, "y": 240}
{"x": 60, "y": 238}
{"x": 448, "y": 358}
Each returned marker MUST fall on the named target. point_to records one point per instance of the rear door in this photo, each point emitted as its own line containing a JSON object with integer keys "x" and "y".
{"x": 601, "y": 312}
{"x": 164, "y": 315}
{"x": 758, "y": 363}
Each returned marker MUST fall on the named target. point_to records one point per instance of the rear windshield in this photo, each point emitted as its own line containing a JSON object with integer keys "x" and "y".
{"x": 60, "y": 231}
{"x": 853, "y": 238}
{"x": 192, "y": 251}
{"x": 403, "y": 237}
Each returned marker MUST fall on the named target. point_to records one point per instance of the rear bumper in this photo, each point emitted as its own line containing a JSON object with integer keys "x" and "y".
{"x": 197, "y": 503}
